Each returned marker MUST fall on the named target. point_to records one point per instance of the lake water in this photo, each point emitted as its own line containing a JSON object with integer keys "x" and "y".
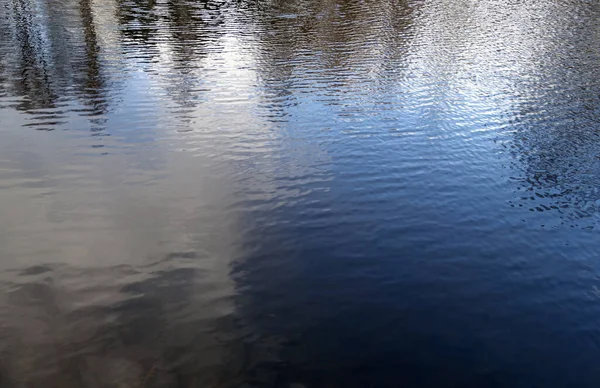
{"x": 299, "y": 193}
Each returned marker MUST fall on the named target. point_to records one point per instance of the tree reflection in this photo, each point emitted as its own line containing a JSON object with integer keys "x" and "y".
{"x": 333, "y": 36}
{"x": 51, "y": 62}
{"x": 91, "y": 83}
{"x": 193, "y": 28}
{"x": 30, "y": 74}
{"x": 558, "y": 120}
{"x": 139, "y": 20}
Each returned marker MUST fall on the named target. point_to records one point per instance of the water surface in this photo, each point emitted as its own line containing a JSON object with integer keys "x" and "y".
{"x": 304, "y": 193}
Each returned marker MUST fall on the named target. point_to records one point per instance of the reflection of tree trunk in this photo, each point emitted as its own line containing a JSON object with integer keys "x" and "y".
{"x": 92, "y": 85}
{"x": 138, "y": 27}
{"x": 32, "y": 80}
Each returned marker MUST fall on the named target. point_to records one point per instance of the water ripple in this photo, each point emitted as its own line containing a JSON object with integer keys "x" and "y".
{"x": 298, "y": 193}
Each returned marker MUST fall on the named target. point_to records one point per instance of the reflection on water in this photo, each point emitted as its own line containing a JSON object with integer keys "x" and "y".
{"x": 305, "y": 193}
{"x": 119, "y": 326}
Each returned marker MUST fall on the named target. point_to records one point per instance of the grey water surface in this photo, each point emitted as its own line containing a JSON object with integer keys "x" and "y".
{"x": 299, "y": 193}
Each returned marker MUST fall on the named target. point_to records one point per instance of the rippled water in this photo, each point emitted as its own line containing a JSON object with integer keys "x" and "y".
{"x": 301, "y": 193}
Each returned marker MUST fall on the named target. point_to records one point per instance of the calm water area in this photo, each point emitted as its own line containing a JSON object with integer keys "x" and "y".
{"x": 299, "y": 193}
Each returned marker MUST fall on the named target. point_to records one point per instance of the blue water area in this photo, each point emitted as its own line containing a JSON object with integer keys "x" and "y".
{"x": 300, "y": 193}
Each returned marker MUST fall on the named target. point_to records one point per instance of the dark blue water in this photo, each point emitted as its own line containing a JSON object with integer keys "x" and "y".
{"x": 299, "y": 194}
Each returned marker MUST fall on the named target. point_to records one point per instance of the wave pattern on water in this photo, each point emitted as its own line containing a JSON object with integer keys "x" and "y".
{"x": 305, "y": 193}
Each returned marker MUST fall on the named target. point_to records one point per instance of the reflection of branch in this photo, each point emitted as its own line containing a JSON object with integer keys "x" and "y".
{"x": 148, "y": 376}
